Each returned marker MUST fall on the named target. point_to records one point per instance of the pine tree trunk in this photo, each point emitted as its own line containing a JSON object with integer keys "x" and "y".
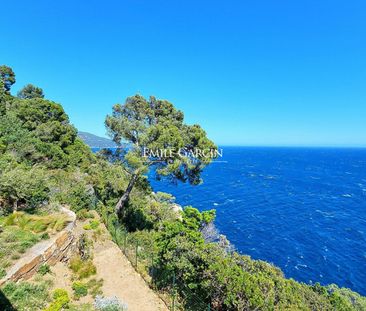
{"x": 15, "y": 206}
{"x": 124, "y": 198}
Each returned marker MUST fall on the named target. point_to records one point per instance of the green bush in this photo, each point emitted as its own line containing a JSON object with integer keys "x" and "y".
{"x": 80, "y": 289}
{"x": 44, "y": 269}
{"x": 81, "y": 307}
{"x": 87, "y": 227}
{"x": 60, "y": 300}
{"x": 82, "y": 268}
{"x": 84, "y": 214}
{"x": 95, "y": 287}
{"x": 231, "y": 281}
{"x": 44, "y": 236}
{"x": 22, "y": 187}
{"x": 78, "y": 195}
{"x": 92, "y": 225}
{"x": 2, "y": 273}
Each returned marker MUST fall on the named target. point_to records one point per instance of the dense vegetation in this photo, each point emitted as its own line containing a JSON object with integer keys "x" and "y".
{"x": 43, "y": 164}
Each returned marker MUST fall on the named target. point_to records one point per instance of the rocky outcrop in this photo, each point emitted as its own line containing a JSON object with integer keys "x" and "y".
{"x": 46, "y": 252}
{"x": 177, "y": 208}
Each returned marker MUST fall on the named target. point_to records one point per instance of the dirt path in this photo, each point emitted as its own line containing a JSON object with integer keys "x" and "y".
{"x": 121, "y": 280}
{"x": 119, "y": 277}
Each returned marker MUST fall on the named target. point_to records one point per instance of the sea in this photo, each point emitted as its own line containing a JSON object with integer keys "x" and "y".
{"x": 302, "y": 209}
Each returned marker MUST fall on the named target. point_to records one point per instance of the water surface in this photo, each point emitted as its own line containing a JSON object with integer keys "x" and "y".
{"x": 304, "y": 209}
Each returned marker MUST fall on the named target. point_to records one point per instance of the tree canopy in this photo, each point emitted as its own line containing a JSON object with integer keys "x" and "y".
{"x": 160, "y": 140}
{"x": 7, "y": 77}
{"x": 30, "y": 91}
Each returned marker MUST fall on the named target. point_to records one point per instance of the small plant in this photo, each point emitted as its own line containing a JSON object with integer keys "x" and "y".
{"x": 97, "y": 233}
{"x": 84, "y": 246}
{"x": 75, "y": 263}
{"x": 2, "y": 273}
{"x": 61, "y": 300}
{"x": 60, "y": 292}
{"x": 95, "y": 287}
{"x": 44, "y": 236}
{"x": 84, "y": 214}
{"x": 80, "y": 307}
{"x": 109, "y": 304}
{"x": 92, "y": 225}
{"x": 80, "y": 289}
{"x": 87, "y": 227}
{"x": 82, "y": 269}
{"x": 87, "y": 270}
{"x": 44, "y": 269}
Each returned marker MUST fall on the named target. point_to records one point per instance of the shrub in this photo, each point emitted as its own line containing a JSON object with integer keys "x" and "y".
{"x": 84, "y": 247}
{"x": 80, "y": 307}
{"x": 23, "y": 187}
{"x": 2, "y": 273}
{"x": 44, "y": 269}
{"x": 82, "y": 269}
{"x": 92, "y": 225}
{"x": 87, "y": 270}
{"x": 61, "y": 300}
{"x": 84, "y": 214}
{"x": 78, "y": 195}
{"x": 94, "y": 287}
{"x": 44, "y": 236}
{"x": 109, "y": 304}
{"x": 87, "y": 227}
{"x": 60, "y": 292}
{"x": 80, "y": 289}
{"x": 75, "y": 263}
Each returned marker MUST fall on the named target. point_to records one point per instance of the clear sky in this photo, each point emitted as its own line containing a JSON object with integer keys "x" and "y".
{"x": 259, "y": 72}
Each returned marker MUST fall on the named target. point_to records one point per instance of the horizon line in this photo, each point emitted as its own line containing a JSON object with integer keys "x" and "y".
{"x": 361, "y": 146}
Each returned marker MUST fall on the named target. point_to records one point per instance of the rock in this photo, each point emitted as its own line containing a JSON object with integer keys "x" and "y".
{"x": 177, "y": 208}
{"x": 46, "y": 252}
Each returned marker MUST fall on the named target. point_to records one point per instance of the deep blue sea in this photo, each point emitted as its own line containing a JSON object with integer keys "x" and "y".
{"x": 303, "y": 209}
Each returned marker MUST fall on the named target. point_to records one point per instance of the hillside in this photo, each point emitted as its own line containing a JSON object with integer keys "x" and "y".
{"x": 95, "y": 141}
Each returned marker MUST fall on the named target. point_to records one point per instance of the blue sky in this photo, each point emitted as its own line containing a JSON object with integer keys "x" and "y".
{"x": 250, "y": 72}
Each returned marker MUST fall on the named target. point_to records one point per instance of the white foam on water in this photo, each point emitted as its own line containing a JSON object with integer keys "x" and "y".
{"x": 347, "y": 195}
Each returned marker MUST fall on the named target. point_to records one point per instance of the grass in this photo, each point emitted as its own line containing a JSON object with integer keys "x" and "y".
{"x": 14, "y": 241}
{"x": 20, "y": 231}
{"x": 36, "y": 223}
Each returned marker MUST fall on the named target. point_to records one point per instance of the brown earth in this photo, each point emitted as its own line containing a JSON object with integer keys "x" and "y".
{"x": 119, "y": 277}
